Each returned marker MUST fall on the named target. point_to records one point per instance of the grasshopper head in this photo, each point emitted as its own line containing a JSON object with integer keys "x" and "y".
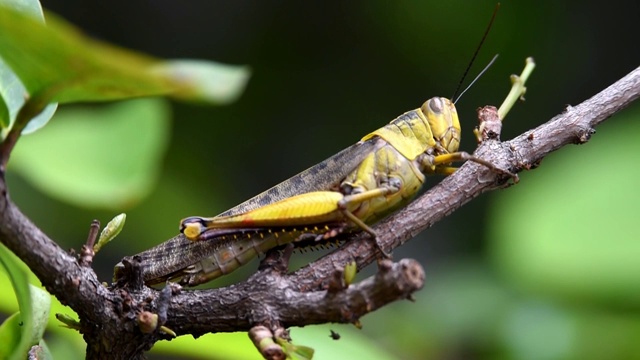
{"x": 443, "y": 119}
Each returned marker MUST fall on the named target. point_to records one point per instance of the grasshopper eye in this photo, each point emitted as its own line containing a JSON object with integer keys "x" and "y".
{"x": 192, "y": 227}
{"x": 436, "y": 105}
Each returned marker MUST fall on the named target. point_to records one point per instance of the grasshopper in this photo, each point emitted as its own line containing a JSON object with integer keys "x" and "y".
{"x": 345, "y": 193}
{"x": 421, "y": 141}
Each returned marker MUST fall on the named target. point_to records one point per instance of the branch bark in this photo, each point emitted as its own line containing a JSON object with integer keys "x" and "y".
{"x": 110, "y": 317}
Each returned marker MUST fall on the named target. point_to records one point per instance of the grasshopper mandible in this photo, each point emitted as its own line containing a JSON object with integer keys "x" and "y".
{"x": 347, "y": 192}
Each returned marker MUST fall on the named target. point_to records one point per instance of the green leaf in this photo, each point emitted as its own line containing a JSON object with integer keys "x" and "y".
{"x": 108, "y": 156}
{"x": 110, "y": 231}
{"x": 350, "y": 272}
{"x": 34, "y": 308}
{"x": 40, "y": 306}
{"x": 20, "y": 284}
{"x": 571, "y": 229}
{"x": 40, "y": 120}
{"x": 10, "y": 333}
{"x": 12, "y": 91}
{"x": 29, "y": 7}
{"x": 12, "y": 98}
{"x": 66, "y": 344}
{"x": 299, "y": 352}
{"x": 295, "y": 352}
{"x": 58, "y": 63}
{"x": 206, "y": 81}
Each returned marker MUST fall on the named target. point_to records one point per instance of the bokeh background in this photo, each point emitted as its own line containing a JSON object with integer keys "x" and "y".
{"x": 547, "y": 269}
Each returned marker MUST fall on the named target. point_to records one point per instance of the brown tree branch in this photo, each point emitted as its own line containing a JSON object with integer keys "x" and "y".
{"x": 110, "y": 317}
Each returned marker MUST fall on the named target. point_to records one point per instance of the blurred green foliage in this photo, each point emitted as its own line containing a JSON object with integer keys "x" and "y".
{"x": 109, "y": 157}
{"x": 572, "y": 235}
{"x": 546, "y": 269}
{"x": 25, "y": 327}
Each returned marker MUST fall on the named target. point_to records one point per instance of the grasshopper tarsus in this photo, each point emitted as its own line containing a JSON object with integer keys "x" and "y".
{"x": 385, "y": 255}
{"x": 464, "y": 156}
{"x": 368, "y": 229}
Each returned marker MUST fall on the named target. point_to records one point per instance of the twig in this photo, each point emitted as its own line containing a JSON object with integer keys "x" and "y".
{"x": 86, "y": 252}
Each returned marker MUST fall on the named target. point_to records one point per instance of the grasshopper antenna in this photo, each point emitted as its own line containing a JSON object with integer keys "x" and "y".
{"x": 476, "y": 78}
{"x": 475, "y": 54}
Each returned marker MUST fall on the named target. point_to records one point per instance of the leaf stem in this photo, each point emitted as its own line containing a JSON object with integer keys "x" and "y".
{"x": 517, "y": 89}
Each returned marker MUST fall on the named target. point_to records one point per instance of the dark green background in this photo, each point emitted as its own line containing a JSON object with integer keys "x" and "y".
{"x": 323, "y": 75}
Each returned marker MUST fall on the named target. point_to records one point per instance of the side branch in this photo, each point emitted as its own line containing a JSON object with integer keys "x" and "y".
{"x": 268, "y": 297}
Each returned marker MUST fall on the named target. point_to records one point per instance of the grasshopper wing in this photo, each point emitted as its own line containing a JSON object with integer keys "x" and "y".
{"x": 177, "y": 253}
{"x": 325, "y": 175}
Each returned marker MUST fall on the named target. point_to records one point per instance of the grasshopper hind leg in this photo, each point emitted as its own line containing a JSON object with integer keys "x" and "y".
{"x": 368, "y": 229}
{"x": 361, "y": 197}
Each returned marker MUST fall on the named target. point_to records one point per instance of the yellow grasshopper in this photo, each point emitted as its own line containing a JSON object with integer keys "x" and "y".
{"x": 421, "y": 141}
{"x": 354, "y": 188}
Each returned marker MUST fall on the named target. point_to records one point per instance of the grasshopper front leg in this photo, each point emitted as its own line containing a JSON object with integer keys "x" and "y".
{"x": 439, "y": 164}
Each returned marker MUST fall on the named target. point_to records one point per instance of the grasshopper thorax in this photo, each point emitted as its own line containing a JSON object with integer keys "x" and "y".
{"x": 443, "y": 120}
